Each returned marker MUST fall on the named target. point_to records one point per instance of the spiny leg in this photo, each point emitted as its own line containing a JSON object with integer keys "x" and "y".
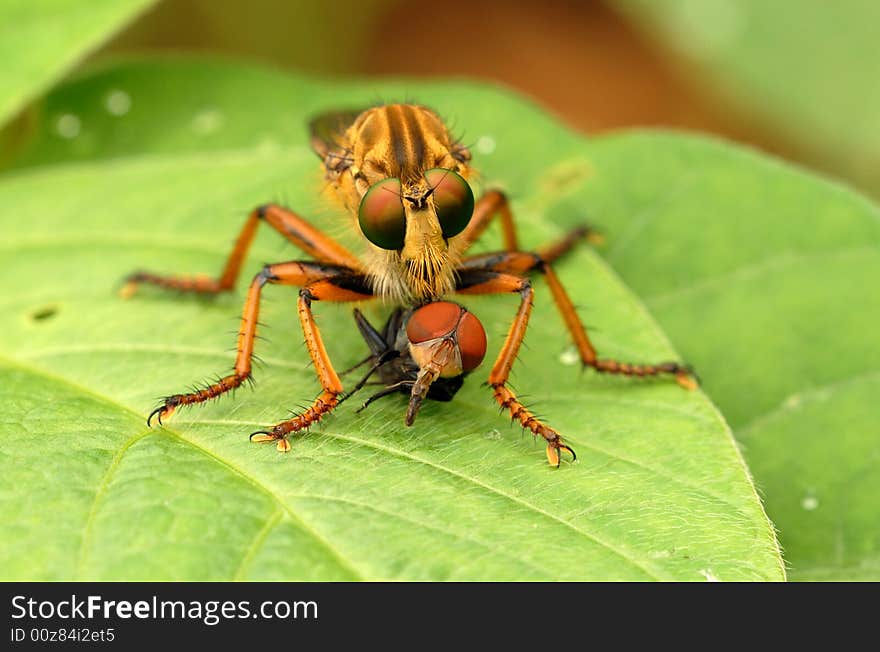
{"x": 495, "y": 203}
{"x": 520, "y": 262}
{"x": 489, "y": 282}
{"x": 350, "y": 288}
{"x": 682, "y": 373}
{"x": 291, "y": 273}
{"x": 492, "y": 203}
{"x": 293, "y": 227}
{"x": 555, "y": 250}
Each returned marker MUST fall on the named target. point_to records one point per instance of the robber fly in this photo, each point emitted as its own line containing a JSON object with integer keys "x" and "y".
{"x": 403, "y": 180}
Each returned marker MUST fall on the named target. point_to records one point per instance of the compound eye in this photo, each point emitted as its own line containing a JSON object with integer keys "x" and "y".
{"x": 453, "y": 199}
{"x": 381, "y": 215}
{"x": 471, "y": 342}
{"x": 433, "y": 320}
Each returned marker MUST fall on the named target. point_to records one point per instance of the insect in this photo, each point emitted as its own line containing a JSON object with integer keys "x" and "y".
{"x": 403, "y": 180}
{"x": 425, "y": 352}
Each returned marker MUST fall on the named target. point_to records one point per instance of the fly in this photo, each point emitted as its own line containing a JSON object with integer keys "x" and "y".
{"x": 404, "y": 182}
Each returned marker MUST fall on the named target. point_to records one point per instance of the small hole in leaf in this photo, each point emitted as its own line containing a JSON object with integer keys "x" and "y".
{"x": 44, "y": 313}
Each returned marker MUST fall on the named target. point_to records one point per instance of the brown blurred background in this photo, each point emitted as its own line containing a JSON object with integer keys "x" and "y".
{"x": 582, "y": 60}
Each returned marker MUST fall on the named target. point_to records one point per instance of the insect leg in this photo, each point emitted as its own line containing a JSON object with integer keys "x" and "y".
{"x": 293, "y": 227}
{"x": 682, "y": 373}
{"x": 348, "y": 288}
{"x": 555, "y": 250}
{"x": 386, "y": 391}
{"x": 489, "y": 282}
{"x": 492, "y": 203}
{"x": 517, "y": 262}
{"x": 291, "y": 273}
{"x": 507, "y": 262}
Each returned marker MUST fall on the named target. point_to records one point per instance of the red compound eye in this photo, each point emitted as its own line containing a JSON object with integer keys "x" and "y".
{"x": 431, "y": 321}
{"x": 471, "y": 342}
{"x": 445, "y": 319}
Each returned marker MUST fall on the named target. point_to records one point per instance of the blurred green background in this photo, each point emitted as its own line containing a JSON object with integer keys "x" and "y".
{"x": 797, "y": 78}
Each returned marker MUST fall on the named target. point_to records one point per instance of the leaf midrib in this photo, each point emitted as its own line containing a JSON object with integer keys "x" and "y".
{"x": 35, "y": 371}
{"x": 347, "y": 564}
{"x": 252, "y": 155}
{"x": 82, "y": 557}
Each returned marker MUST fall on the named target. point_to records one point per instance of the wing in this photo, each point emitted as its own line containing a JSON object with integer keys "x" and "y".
{"x": 327, "y": 132}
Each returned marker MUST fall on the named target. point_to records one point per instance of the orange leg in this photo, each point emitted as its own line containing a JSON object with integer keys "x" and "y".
{"x": 493, "y": 203}
{"x": 506, "y": 262}
{"x": 683, "y": 374}
{"x": 329, "y": 289}
{"x": 287, "y": 223}
{"x": 487, "y": 207}
{"x": 489, "y": 282}
{"x": 517, "y": 262}
{"x": 522, "y": 261}
{"x": 308, "y": 274}
{"x": 555, "y": 250}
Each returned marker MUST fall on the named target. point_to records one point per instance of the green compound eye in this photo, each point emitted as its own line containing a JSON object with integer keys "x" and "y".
{"x": 453, "y": 199}
{"x": 381, "y": 215}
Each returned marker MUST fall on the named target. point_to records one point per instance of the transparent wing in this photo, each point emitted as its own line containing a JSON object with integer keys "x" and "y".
{"x": 327, "y": 132}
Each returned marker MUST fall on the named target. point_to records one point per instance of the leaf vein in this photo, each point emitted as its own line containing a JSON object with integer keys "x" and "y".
{"x": 345, "y": 563}
{"x": 256, "y": 544}
{"x": 103, "y": 485}
{"x": 149, "y": 348}
{"x": 425, "y": 525}
{"x": 495, "y": 490}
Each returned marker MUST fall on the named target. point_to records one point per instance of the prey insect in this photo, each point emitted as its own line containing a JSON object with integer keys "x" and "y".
{"x": 403, "y": 180}
{"x": 424, "y": 352}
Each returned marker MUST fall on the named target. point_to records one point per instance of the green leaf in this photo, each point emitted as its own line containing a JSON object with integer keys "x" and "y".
{"x": 659, "y": 491}
{"x": 765, "y": 279}
{"x": 808, "y": 68}
{"x": 55, "y": 35}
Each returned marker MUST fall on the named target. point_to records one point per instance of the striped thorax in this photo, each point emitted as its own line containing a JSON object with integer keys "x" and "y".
{"x": 403, "y": 177}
